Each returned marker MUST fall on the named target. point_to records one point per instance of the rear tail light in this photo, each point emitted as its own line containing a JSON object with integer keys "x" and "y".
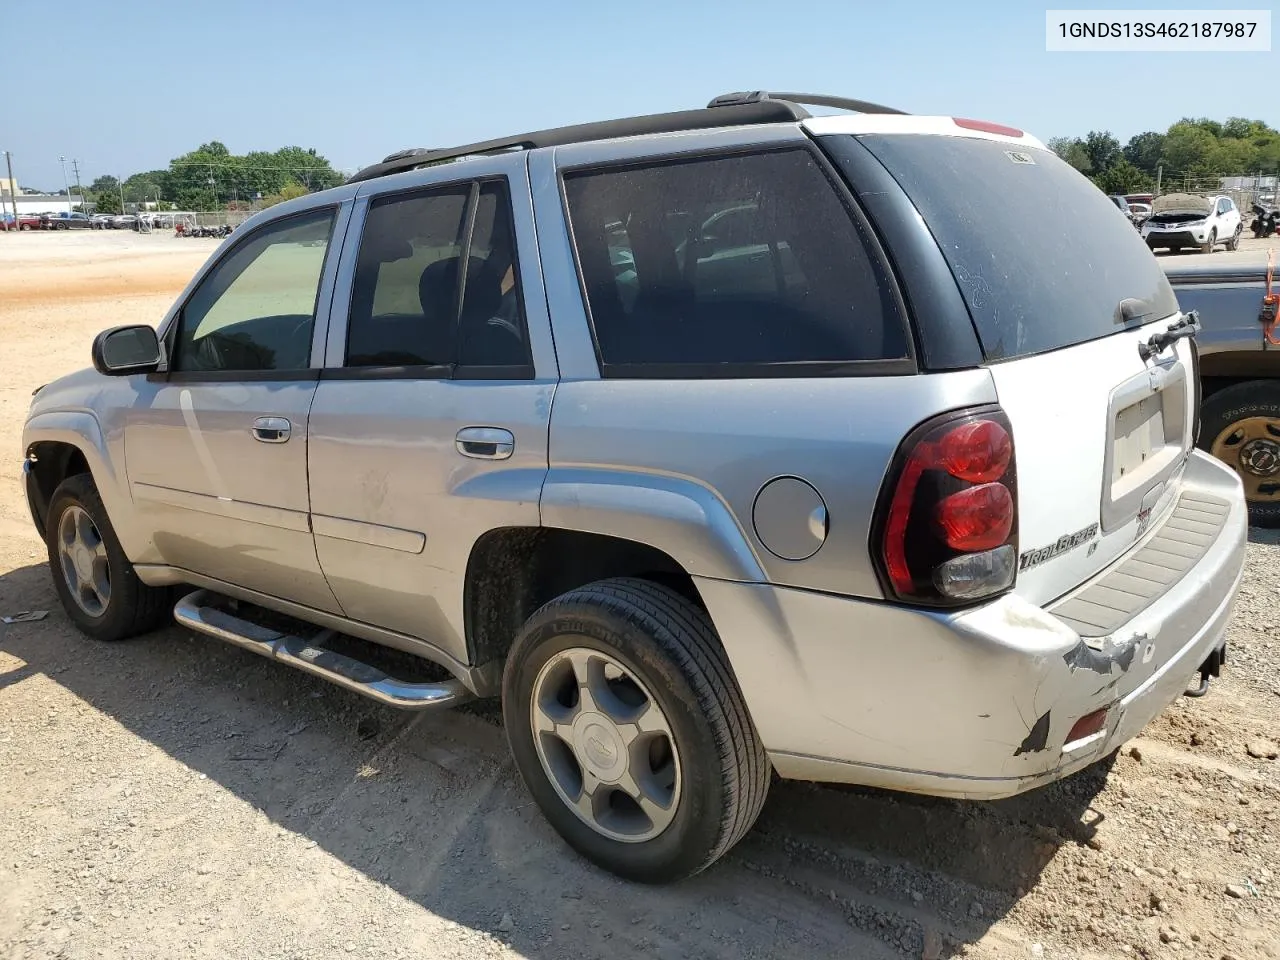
{"x": 947, "y": 530}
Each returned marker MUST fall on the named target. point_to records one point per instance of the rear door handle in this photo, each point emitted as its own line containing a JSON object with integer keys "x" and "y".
{"x": 486, "y": 443}
{"x": 271, "y": 429}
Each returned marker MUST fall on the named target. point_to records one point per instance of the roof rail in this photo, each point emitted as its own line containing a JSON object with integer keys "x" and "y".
{"x": 729, "y": 110}
{"x": 808, "y": 99}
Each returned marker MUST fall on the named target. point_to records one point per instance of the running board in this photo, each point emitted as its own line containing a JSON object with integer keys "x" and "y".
{"x": 197, "y": 611}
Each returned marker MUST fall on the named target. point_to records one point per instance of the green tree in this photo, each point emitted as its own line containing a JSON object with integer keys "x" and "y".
{"x": 1072, "y": 150}
{"x": 1144, "y": 151}
{"x": 289, "y": 191}
{"x": 1187, "y": 148}
{"x": 109, "y": 202}
{"x": 147, "y": 186}
{"x": 1102, "y": 149}
{"x": 103, "y": 184}
{"x": 213, "y": 175}
{"x": 1123, "y": 177}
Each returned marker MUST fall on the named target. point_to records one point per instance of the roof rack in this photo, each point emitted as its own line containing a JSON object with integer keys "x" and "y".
{"x": 811, "y": 99}
{"x": 727, "y": 110}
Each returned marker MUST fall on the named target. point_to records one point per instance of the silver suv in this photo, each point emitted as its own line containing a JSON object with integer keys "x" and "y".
{"x": 719, "y": 444}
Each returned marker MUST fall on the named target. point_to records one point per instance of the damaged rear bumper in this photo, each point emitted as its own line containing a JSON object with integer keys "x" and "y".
{"x": 982, "y": 704}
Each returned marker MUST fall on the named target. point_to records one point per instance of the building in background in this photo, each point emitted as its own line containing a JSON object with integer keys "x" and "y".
{"x": 35, "y": 203}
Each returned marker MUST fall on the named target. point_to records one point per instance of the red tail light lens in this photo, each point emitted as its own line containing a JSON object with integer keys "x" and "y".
{"x": 948, "y": 518}
{"x": 978, "y": 518}
{"x": 978, "y": 451}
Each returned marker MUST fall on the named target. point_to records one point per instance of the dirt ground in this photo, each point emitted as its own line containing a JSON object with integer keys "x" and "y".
{"x": 175, "y": 797}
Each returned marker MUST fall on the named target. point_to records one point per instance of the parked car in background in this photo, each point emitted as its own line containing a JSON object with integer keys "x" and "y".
{"x": 1186, "y": 220}
{"x": 1239, "y": 373}
{"x": 719, "y": 444}
{"x": 24, "y": 221}
{"x": 101, "y": 221}
{"x": 1138, "y": 212}
{"x": 65, "y": 221}
{"x": 123, "y": 221}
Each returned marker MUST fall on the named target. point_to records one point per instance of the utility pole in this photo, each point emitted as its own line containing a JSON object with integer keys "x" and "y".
{"x": 75, "y": 165}
{"x": 120, "y": 184}
{"x": 13, "y": 188}
{"x": 1159, "y": 177}
{"x": 66, "y": 188}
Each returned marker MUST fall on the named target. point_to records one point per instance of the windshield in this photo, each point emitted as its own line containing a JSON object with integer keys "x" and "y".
{"x": 1042, "y": 256}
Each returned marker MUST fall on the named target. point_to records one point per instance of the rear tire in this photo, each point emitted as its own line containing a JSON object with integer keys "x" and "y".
{"x": 1240, "y": 425}
{"x": 715, "y": 773}
{"x": 96, "y": 583}
{"x": 1234, "y": 242}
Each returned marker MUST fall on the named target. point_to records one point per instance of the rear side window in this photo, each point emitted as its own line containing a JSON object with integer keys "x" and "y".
{"x": 1040, "y": 257}
{"x": 729, "y": 266}
{"x": 411, "y": 304}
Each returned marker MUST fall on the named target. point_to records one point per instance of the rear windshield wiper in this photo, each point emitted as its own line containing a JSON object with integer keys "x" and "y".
{"x": 1157, "y": 343}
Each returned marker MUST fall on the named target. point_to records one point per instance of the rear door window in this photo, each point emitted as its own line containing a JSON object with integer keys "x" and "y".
{"x": 411, "y": 304}
{"x": 1040, "y": 258}
{"x": 741, "y": 265}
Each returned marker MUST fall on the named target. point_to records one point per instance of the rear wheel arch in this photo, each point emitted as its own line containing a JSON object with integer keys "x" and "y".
{"x": 513, "y": 571}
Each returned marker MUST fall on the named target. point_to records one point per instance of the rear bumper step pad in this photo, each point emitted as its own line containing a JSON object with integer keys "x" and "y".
{"x": 1136, "y": 583}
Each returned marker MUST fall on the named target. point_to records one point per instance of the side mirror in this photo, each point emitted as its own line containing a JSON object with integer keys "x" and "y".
{"x": 121, "y": 351}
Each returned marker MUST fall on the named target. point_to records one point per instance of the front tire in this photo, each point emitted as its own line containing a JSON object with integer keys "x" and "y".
{"x": 630, "y": 731}
{"x": 96, "y": 583}
{"x": 1207, "y": 246}
{"x": 1240, "y": 425}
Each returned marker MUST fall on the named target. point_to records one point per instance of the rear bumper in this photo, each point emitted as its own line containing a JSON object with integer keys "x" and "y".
{"x": 978, "y": 704}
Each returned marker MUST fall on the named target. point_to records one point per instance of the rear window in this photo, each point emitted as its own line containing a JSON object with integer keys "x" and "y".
{"x": 743, "y": 265}
{"x": 1042, "y": 256}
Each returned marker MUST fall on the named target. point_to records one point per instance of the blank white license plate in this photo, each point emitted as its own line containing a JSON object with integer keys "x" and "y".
{"x": 1139, "y": 435}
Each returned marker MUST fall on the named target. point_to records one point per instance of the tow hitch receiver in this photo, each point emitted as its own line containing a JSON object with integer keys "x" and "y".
{"x": 1212, "y": 667}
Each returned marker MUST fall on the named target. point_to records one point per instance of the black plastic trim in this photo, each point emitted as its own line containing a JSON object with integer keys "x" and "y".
{"x": 900, "y": 367}
{"x": 946, "y": 336}
{"x": 414, "y": 372}
{"x": 438, "y": 372}
{"x": 237, "y": 376}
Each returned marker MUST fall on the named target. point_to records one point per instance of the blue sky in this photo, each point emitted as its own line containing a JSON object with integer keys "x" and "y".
{"x": 126, "y": 86}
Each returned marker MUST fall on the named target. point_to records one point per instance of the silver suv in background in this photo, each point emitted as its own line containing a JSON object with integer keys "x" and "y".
{"x": 719, "y": 444}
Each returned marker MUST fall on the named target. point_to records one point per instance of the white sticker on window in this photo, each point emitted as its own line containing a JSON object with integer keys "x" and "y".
{"x": 1020, "y": 157}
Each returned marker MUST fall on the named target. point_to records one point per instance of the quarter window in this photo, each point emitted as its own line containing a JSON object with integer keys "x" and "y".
{"x": 256, "y": 309}
{"x": 730, "y": 263}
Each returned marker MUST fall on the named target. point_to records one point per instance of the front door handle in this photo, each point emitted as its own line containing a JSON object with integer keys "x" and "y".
{"x": 486, "y": 443}
{"x": 271, "y": 429}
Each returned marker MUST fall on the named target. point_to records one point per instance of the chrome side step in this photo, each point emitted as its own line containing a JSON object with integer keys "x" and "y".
{"x": 197, "y": 611}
